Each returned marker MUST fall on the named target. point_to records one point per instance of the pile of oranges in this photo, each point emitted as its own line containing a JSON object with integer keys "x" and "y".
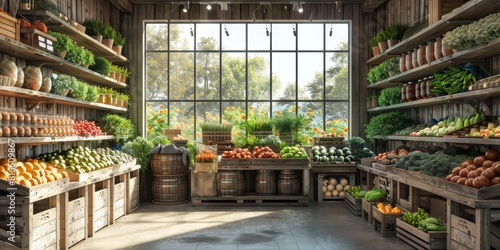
{"x": 31, "y": 172}
{"x": 388, "y": 208}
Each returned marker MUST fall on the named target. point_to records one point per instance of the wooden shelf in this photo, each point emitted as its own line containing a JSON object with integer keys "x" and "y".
{"x": 57, "y": 24}
{"x": 41, "y": 97}
{"x": 461, "y": 57}
{"x": 468, "y": 12}
{"x": 462, "y": 140}
{"x": 48, "y": 140}
{"x": 464, "y": 97}
{"x": 37, "y": 57}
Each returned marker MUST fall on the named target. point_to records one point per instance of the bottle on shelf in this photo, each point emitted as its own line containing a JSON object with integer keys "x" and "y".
{"x": 414, "y": 57}
{"x": 423, "y": 88}
{"x": 446, "y": 51}
{"x": 438, "y": 52}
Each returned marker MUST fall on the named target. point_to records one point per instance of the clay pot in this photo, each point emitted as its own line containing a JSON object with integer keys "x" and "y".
{"x": 376, "y": 51}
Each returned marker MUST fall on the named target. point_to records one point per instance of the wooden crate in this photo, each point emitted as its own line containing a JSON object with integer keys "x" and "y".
{"x": 99, "y": 206}
{"x": 420, "y": 239}
{"x": 132, "y": 191}
{"x": 73, "y": 217}
{"x": 37, "y": 192}
{"x": 478, "y": 194}
{"x": 383, "y": 167}
{"x": 367, "y": 209}
{"x": 469, "y": 228}
{"x": 426, "y": 179}
{"x": 353, "y": 204}
{"x": 93, "y": 176}
{"x": 438, "y": 8}
{"x": 321, "y": 197}
{"x": 385, "y": 220}
{"x": 117, "y": 197}
{"x": 36, "y": 224}
{"x": 495, "y": 235}
{"x": 367, "y": 161}
{"x": 338, "y": 142}
{"x": 9, "y": 27}
{"x": 215, "y": 137}
{"x": 171, "y": 133}
{"x": 38, "y": 39}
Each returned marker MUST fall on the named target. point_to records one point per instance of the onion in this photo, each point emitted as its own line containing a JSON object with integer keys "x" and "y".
{"x": 9, "y": 68}
{"x": 335, "y": 193}
{"x": 339, "y": 187}
{"x": 471, "y": 167}
{"x": 341, "y": 194}
{"x": 464, "y": 172}
{"x": 325, "y": 183}
{"x": 333, "y": 181}
{"x": 469, "y": 182}
{"x": 495, "y": 181}
{"x": 489, "y": 173}
{"x": 462, "y": 180}
{"x": 20, "y": 77}
{"x": 343, "y": 181}
{"x": 330, "y": 187}
{"x": 456, "y": 170}
{"x": 346, "y": 187}
{"x": 455, "y": 178}
{"x": 328, "y": 194}
{"x": 467, "y": 163}
{"x": 472, "y": 174}
{"x": 478, "y": 161}
{"x": 324, "y": 189}
{"x": 481, "y": 181}
{"x": 448, "y": 177}
{"x": 496, "y": 167}
{"x": 487, "y": 164}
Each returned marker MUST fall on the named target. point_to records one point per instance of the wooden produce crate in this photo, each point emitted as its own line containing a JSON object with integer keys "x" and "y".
{"x": 478, "y": 194}
{"x": 38, "y": 39}
{"x": 73, "y": 217}
{"x": 208, "y": 167}
{"x": 420, "y": 239}
{"x": 215, "y": 137}
{"x": 383, "y": 167}
{"x": 385, "y": 220}
{"x": 495, "y": 235}
{"x": 37, "y": 192}
{"x": 94, "y": 176}
{"x": 117, "y": 197}
{"x": 422, "y": 178}
{"x": 171, "y": 133}
{"x": 9, "y": 27}
{"x": 321, "y": 176}
{"x": 368, "y": 161}
{"x": 367, "y": 209}
{"x": 132, "y": 191}
{"x": 353, "y": 204}
{"x": 338, "y": 142}
{"x": 36, "y": 224}
{"x": 438, "y": 8}
{"x": 99, "y": 206}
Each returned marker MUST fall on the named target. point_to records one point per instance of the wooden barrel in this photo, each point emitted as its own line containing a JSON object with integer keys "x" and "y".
{"x": 265, "y": 182}
{"x": 231, "y": 183}
{"x": 170, "y": 189}
{"x": 288, "y": 182}
{"x": 168, "y": 164}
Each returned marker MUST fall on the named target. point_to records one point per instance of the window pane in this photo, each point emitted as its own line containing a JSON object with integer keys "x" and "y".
{"x": 180, "y": 37}
{"x": 181, "y": 76}
{"x": 337, "y": 114}
{"x": 237, "y": 37}
{"x": 157, "y": 119}
{"x": 337, "y": 76}
{"x": 310, "y": 36}
{"x": 207, "y": 76}
{"x": 313, "y": 112}
{"x": 233, "y": 76}
{"x": 340, "y": 36}
{"x": 156, "y": 36}
{"x": 182, "y": 117}
{"x": 257, "y": 38}
{"x": 207, "y": 112}
{"x": 283, "y": 38}
{"x": 207, "y": 36}
{"x": 283, "y": 76}
{"x": 233, "y": 112}
{"x": 310, "y": 75}
{"x": 156, "y": 76}
{"x": 259, "y": 87}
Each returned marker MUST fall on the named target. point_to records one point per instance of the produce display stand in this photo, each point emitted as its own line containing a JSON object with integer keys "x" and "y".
{"x": 207, "y": 196}
{"x": 353, "y": 204}
{"x": 59, "y": 214}
{"x": 385, "y": 220}
{"x": 322, "y": 170}
{"x": 420, "y": 239}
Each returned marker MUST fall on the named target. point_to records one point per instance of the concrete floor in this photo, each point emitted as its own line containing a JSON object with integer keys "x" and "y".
{"x": 317, "y": 226}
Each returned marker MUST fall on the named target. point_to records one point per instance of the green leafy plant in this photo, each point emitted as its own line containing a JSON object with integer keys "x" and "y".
{"x": 79, "y": 90}
{"x": 61, "y": 83}
{"x": 390, "y": 96}
{"x": 101, "y": 65}
{"x": 356, "y": 140}
{"x": 122, "y": 128}
{"x": 391, "y": 65}
{"x": 88, "y": 57}
{"x": 396, "y": 31}
{"x": 92, "y": 93}
{"x": 76, "y": 54}
{"x": 63, "y": 42}
{"x": 480, "y": 32}
{"x": 108, "y": 32}
{"x": 385, "y": 124}
{"x": 216, "y": 127}
{"x": 94, "y": 27}
{"x": 123, "y": 97}
{"x": 119, "y": 40}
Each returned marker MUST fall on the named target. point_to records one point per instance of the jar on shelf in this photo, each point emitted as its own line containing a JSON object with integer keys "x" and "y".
{"x": 421, "y": 57}
{"x": 429, "y": 52}
{"x": 417, "y": 89}
{"x": 423, "y": 88}
{"x": 438, "y": 52}
{"x": 446, "y": 51}
{"x": 414, "y": 58}
{"x": 403, "y": 93}
{"x": 402, "y": 63}
{"x": 409, "y": 61}
{"x": 410, "y": 92}
{"x": 429, "y": 87}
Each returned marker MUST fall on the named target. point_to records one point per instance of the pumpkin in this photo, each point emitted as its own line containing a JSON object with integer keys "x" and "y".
{"x": 39, "y": 25}
{"x": 46, "y": 85}
{"x": 9, "y": 68}
{"x": 32, "y": 78}
{"x": 23, "y": 23}
{"x": 20, "y": 77}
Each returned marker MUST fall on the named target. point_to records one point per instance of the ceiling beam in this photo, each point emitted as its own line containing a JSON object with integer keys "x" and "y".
{"x": 124, "y": 5}
{"x": 243, "y": 1}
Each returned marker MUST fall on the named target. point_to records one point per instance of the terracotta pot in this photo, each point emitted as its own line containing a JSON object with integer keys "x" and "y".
{"x": 123, "y": 78}
{"x": 383, "y": 46}
{"x": 61, "y": 54}
{"x": 107, "y": 99}
{"x": 438, "y": 53}
{"x": 117, "y": 49}
{"x": 402, "y": 63}
{"x": 125, "y": 104}
{"x": 119, "y": 103}
{"x": 107, "y": 42}
{"x": 374, "y": 103}
{"x": 376, "y": 51}
{"x": 111, "y": 74}
{"x": 86, "y": 65}
{"x": 98, "y": 38}
{"x": 392, "y": 42}
{"x": 368, "y": 104}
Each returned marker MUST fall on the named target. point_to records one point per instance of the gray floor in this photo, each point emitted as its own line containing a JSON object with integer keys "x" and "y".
{"x": 317, "y": 226}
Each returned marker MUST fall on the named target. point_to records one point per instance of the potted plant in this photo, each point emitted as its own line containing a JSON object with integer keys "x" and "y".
{"x": 101, "y": 65}
{"x": 62, "y": 44}
{"x": 124, "y": 100}
{"x": 108, "y": 34}
{"x": 114, "y": 99}
{"x": 140, "y": 148}
{"x": 374, "y": 101}
{"x": 382, "y": 40}
{"x": 391, "y": 66}
{"x": 87, "y": 58}
{"x": 389, "y": 96}
{"x": 61, "y": 84}
{"x": 118, "y": 42}
{"x": 105, "y": 95}
{"x": 122, "y": 128}
{"x": 75, "y": 54}
{"x": 356, "y": 143}
{"x": 375, "y": 47}
{"x": 92, "y": 93}
{"x": 385, "y": 124}
{"x": 395, "y": 34}
{"x": 94, "y": 28}
{"x": 114, "y": 72}
{"x": 78, "y": 90}
{"x": 125, "y": 73}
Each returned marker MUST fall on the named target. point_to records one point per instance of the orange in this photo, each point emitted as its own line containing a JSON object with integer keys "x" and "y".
{"x": 33, "y": 181}
{"x": 37, "y": 166}
{"x": 44, "y": 166}
{"x": 35, "y": 173}
{"x": 25, "y": 183}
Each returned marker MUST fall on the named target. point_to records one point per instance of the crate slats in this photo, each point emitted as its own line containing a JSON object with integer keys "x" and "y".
{"x": 9, "y": 27}
{"x": 420, "y": 239}
{"x": 353, "y": 204}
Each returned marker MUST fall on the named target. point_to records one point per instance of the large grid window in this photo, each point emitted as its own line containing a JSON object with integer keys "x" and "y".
{"x": 217, "y": 72}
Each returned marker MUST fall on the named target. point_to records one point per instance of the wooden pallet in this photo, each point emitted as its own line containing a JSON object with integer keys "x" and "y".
{"x": 420, "y": 239}
{"x": 251, "y": 200}
{"x": 353, "y": 204}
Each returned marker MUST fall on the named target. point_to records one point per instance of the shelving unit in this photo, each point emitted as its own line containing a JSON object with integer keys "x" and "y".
{"x": 47, "y": 140}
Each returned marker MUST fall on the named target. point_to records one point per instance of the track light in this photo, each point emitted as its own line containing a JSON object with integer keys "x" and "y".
{"x": 225, "y": 31}
{"x": 300, "y": 10}
{"x": 297, "y": 6}
{"x": 209, "y": 6}
{"x": 185, "y": 7}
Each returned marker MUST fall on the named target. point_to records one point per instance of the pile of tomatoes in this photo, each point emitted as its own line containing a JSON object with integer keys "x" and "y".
{"x": 237, "y": 153}
{"x": 264, "y": 152}
{"x": 87, "y": 128}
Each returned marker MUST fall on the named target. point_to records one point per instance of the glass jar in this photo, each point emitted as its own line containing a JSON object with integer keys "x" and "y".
{"x": 421, "y": 56}
{"x": 414, "y": 58}
{"x": 429, "y": 87}
{"x": 417, "y": 89}
{"x": 438, "y": 53}
{"x": 403, "y": 93}
{"x": 409, "y": 61}
{"x": 429, "y": 52}
{"x": 410, "y": 92}
{"x": 423, "y": 88}
{"x": 402, "y": 63}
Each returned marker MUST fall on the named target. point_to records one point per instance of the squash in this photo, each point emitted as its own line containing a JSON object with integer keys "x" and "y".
{"x": 39, "y": 25}
{"x": 9, "y": 68}
{"x": 23, "y": 23}
{"x": 32, "y": 78}
{"x": 46, "y": 85}
{"x": 20, "y": 77}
